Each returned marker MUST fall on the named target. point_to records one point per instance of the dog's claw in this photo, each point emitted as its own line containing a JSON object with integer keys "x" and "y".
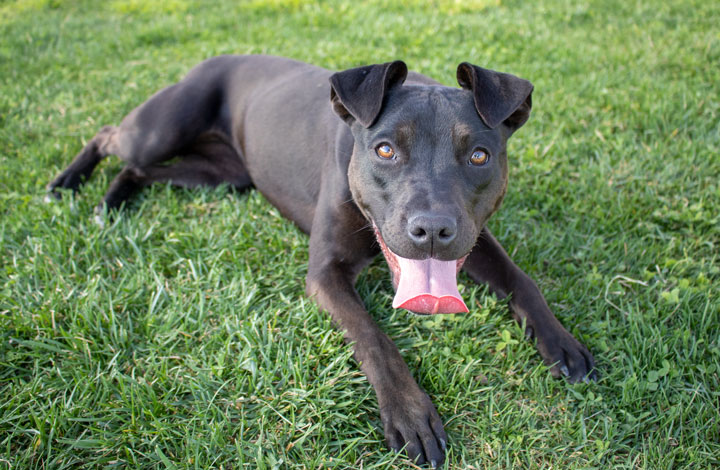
{"x": 529, "y": 332}
{"x": 433, "y": 464}
{"x": 565, "y": 371}
{"x": 443, "y": 444}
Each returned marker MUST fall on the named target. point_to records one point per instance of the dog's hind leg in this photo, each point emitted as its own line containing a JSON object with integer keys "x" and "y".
{"x": 211, "y": 164}
{"x": 85, "y": 162}
{"x": 169, "y": 124}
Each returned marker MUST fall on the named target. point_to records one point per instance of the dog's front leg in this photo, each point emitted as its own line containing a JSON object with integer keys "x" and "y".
{"x": 489, "y": 263}
{"x": 409, "y": 417}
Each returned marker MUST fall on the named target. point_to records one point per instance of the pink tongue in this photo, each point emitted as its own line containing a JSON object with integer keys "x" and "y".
{"x": 428, "y": 286}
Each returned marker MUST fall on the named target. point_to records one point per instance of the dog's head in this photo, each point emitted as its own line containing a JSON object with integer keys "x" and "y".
{"x": 428, "y": 168}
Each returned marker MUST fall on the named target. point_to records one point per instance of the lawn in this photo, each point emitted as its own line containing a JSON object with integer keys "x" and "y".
{"x": 178, "y": 336}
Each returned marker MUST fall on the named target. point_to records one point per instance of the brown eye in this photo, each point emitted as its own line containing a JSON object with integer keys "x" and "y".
{"x": 479, "y": 157}
{"x": 385, "y": 152}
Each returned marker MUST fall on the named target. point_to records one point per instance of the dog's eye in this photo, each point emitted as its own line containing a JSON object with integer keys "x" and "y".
{"x": 479, "y": 157}
{"x": 385, "y": 152}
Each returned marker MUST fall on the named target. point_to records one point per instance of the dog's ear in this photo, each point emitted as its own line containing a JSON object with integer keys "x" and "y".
{"x": 499, "y": 97}
{"x": 357, "y": 94}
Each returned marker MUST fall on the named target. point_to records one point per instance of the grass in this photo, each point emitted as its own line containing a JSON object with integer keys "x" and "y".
{"x": 179, "y": 337}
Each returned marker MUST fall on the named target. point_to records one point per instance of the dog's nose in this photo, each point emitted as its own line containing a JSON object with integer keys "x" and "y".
{"x": 428, "y": 231}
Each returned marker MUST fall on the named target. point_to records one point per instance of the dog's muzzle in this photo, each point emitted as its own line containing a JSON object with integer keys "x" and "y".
{"x": 425, "y": 286}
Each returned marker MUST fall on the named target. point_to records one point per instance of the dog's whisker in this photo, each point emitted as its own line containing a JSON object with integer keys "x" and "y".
{"x": 348, "y": 201}
{"x": 364, "y": 227}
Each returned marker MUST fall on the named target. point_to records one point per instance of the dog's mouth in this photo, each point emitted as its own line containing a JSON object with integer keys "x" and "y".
{"x": 425, "y": 286}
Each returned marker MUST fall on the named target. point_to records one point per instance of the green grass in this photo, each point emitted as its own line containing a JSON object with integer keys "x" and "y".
{"x": 179, "y": 336}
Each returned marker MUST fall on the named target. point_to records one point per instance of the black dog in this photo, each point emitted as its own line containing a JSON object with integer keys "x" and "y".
{"x": 397, "y": 163}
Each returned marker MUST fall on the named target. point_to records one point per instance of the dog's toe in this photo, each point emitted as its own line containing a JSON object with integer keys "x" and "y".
{"x": 413, "y": 424}
{"x": 567, "y": 357}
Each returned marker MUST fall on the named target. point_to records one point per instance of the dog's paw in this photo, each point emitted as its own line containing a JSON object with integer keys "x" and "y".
{"x": 566, "y": 356}
{"x": 411, "y": 422}
{"x": 70, "y": 179}
{"x": 53, "y": 192}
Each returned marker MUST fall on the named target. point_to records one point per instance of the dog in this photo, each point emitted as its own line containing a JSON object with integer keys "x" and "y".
{"x": 367, "y": 160}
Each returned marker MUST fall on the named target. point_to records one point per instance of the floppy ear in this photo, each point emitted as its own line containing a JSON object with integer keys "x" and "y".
{"x": 499, "y": 97}
{"x": 357, "y": 94}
